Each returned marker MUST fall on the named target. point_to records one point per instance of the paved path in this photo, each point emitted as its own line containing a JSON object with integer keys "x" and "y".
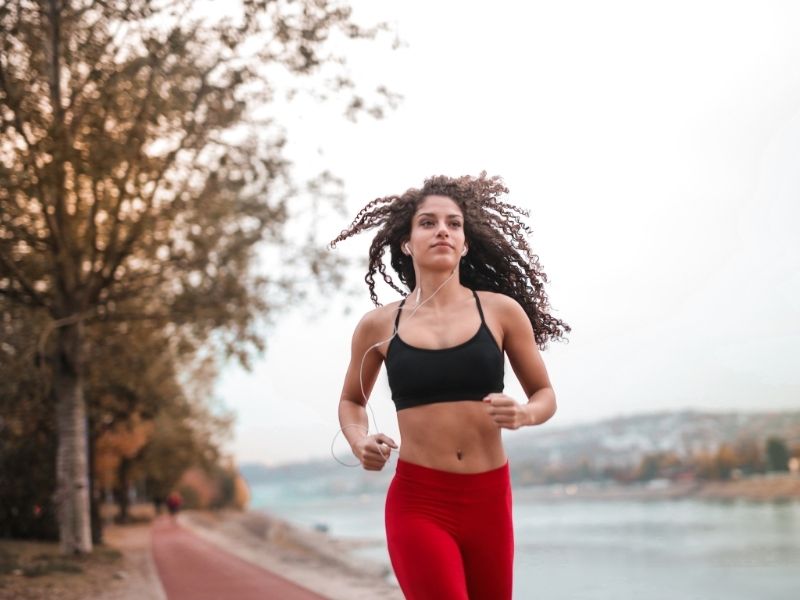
{"x": 193, "y": 569}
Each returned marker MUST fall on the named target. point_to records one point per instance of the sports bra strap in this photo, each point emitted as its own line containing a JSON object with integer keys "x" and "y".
{"x": 399, "y": 310}
{"x": 403, "y": 301}
{"x": 480, "y": 310}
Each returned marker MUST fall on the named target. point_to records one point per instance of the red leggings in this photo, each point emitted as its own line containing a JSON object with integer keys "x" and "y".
{"x": 450, "y": 535}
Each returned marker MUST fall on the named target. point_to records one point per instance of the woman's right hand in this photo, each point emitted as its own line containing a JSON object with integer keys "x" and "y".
{"x": 374, "y": 450}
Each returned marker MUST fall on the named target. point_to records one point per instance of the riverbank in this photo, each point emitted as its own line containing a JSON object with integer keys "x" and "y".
{"x": 310, "y": 558}
{"x": 757, "y": 488}
{"x": 762, "y": 488}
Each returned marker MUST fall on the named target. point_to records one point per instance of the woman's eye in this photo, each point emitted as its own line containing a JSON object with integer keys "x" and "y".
{"x": 428, "y": 223}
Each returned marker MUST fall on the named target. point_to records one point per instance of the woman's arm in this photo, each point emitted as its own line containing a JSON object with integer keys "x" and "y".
{"x": 372, "y": 450}
{"x": 519, "y": 343}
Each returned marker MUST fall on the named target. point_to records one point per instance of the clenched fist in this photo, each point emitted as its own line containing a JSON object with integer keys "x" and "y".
{"x": 374, "y": 450}
{"x": 505, "y": 411}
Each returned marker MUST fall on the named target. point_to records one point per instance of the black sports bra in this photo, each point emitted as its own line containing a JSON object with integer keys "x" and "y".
{"x": 467, "y": 371}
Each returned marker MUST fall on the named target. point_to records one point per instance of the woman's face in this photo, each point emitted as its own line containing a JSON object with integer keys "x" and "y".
{"x": 437, "y": 232}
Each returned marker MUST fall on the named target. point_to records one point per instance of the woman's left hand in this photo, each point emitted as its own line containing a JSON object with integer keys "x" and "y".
{"x": 505, "y": 411}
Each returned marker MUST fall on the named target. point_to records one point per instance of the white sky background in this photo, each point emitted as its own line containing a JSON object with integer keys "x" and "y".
{"x": 657, "y": 146}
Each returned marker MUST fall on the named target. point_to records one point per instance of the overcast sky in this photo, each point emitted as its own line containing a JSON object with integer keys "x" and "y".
{"x": 657, "y": 146}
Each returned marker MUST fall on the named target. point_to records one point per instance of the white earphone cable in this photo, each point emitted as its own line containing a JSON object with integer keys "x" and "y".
{"x": 416, "y": 307}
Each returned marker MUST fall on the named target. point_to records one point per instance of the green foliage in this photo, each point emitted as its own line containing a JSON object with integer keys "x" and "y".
{"x": 777, "y": 454}
{"x": 191, "y": 500}
{"x": 649, "y": 467}
{"x": 26, "y": 506}
{"x": 27, "y": 431}
{"x": 226, "y": 482}
{"x": 184, "y": 437}
{"x": 750, "y": 457}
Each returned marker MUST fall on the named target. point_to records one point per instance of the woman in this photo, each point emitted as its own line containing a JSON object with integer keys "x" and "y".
{"x": 476, "y": 293}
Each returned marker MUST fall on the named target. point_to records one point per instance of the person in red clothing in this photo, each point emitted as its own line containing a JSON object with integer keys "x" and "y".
{"x": 174, "y": 503}
{"x": 475, "y": 296}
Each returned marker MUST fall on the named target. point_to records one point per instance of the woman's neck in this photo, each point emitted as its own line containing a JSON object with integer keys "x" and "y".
{"x": 437, "y": 289}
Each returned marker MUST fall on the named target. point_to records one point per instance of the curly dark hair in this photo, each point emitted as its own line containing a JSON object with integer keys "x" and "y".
{"x": 499, "y": 258}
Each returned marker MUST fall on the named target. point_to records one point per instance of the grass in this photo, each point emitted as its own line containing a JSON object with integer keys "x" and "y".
{"x": 8, "y": 562}
{"x": 35, "y": 570}
{"x": 47, "y": 567}
{"x": 32, "y": 570}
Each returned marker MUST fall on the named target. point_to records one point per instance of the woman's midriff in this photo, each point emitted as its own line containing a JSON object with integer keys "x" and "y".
{"x": 459, "y": 437}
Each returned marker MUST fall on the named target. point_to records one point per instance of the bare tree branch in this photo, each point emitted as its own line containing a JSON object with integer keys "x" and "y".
{"x": 19, "y": 297}
{"x": 103, "y": 51}
{"x": 23, "y": 281}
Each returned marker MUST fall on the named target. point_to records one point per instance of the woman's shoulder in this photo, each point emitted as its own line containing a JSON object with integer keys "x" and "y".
{"x": 497, "y": 299}
{"x": 500, "y": 305}
{"x": 379, "y": 318}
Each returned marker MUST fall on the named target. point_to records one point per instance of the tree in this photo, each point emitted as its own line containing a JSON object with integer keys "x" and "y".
{"x": 658, "y": 464}
{"x": 127, "y": 189}
{"x": 115, "y": 452}
{"x": 777, "y": 454}
{"x": 751, "y": 455}
{"x": 725, "y": 461}
{"x": 132, "y": 381}
{"x": 27, "y": 430}
{"x": 186, "y": 435}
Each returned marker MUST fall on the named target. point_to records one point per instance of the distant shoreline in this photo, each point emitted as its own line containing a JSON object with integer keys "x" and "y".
{"x": 762, "y": 488}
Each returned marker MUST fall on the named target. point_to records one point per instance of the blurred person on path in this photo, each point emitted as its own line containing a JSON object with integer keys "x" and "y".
{"x": 174, "y": 503}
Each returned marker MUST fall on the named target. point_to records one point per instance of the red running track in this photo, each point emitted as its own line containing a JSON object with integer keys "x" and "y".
{"x": 192, "y": 569}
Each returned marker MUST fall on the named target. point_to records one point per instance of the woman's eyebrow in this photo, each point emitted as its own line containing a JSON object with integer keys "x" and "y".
{"x": 434, "y": 214}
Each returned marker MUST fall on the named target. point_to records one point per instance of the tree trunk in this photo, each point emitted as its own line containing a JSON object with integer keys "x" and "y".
{"x": 95, "y": 497}
{"x": 72, "y": 465}
{"x": 123, "y": 491}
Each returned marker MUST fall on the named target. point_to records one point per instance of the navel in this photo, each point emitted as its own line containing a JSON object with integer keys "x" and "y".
{"x": 459, "y": 455}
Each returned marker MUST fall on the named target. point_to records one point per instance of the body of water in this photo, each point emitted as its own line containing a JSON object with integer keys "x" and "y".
{"x": 601, "y": 550}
